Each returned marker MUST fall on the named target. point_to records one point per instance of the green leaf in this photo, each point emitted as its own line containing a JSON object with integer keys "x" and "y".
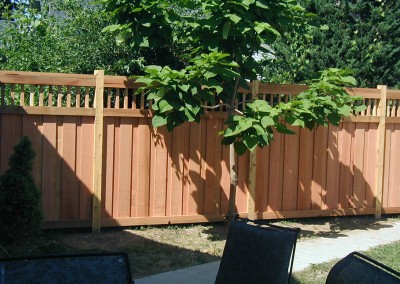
{"x": 145, "y": 42}
{"x": 240, "y": 148}
{"x": 283, "y": 129}
{"x": 164, "y": 106}
{"x": 334, "y": 118}
{"x": 228, "y": 140}
{"x": 358, "y": 109}
{"x": 144, "y": 80}
{"x": 295, "y": 121}
{"x": 111, "y": 28}
{"x": 184, "y": 88}
{"x": 153, "y": 69}
{"x": 158, "y": 121}
{"x": 349, "y": 80}
{"x": 250, "y": 141}
{"x": 229, "y": 73}
{"x": 324, "y": 28}
{"x": 345, "y": 110}
{"x": 267, "y": 121}
{"x": 225, "y": 30}
{"x": 234, "y": 18}
{"x": 261, "y": 5}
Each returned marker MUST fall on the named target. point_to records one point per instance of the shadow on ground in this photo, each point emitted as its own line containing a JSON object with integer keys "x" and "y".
{"x": 151, "y": 250}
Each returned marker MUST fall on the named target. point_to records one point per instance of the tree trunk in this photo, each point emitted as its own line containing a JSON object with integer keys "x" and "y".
{"x": 232, "y": 161}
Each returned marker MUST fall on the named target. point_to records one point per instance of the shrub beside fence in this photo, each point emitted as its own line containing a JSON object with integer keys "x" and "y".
{"x": 100, "y": 163}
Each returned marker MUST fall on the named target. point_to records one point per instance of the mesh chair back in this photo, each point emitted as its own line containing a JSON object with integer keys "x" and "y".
{"x": 256, "y": 252}
{"x": 89, "y": 268}
{"x": 358, "y": 268}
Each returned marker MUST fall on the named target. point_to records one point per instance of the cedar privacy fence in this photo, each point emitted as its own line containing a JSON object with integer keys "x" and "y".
{"x": 100, "y": 163}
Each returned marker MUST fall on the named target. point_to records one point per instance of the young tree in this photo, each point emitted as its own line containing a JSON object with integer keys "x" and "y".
{"x": 20, "y": 211}
{"x": 217, "y": 41}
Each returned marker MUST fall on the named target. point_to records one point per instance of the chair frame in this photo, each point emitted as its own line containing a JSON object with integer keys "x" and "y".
{"x": 74, "y": 256}
{"x": 369, "y": 262}
{"x": 267, "y": 225}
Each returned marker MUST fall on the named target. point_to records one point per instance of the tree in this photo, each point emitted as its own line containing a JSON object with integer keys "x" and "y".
{"x": 221, "y": 38}
{"x": 20, "y": 213}
{"x": 63, "y": 36}
{"x": 362, "y": 36}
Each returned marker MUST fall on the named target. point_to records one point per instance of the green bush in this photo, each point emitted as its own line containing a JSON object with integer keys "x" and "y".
{"x": 20, "y": 213}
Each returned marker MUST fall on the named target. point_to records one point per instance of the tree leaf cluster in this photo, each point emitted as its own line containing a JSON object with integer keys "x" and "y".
{"x": 324, "y": 102}
{"x": 179, "y": 96}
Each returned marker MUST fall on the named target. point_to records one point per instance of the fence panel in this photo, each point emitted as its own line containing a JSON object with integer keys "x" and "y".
{"x": 150, "y": 176}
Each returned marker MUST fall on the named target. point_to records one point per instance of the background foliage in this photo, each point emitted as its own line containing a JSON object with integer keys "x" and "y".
{"x": 362, "y": 36}
{"x": 63, "y": 36}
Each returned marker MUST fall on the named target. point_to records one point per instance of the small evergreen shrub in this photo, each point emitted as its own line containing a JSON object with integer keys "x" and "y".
{"x": 20, "y": 212}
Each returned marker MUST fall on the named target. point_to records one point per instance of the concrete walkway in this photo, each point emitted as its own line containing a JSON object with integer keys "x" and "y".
{"x": 308, "y": 252}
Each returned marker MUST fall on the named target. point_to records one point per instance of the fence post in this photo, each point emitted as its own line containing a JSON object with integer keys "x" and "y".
{"x": 380, "y": 171}
{"x": 98, "y": 150}
{"x": 251, "y": 198}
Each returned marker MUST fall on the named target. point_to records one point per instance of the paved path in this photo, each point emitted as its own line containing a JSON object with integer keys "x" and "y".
{"x": 307, "y": 252}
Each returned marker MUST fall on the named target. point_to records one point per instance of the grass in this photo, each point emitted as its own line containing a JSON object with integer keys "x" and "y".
{"x": 317, "y": 273}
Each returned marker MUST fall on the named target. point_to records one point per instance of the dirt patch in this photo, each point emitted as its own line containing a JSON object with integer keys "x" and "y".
{"x": 164, "y": 248}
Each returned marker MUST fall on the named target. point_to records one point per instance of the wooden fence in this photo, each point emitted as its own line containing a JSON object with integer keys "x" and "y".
{"x": 100, "y": 163}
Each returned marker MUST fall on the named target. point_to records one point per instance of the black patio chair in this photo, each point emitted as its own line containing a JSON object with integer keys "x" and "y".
{"x": 358, "y": 268}
{"x": 76, "y": 268}
{"x": 257, "y": 252}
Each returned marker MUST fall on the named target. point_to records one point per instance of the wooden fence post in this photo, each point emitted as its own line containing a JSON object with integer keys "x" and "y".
{"x": 251, "y": 198}
{"x": 380, "y": 161}
{"x": 98, "y": 150}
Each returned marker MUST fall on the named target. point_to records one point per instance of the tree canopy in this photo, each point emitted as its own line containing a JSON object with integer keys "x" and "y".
{"x": 361, "y": 36}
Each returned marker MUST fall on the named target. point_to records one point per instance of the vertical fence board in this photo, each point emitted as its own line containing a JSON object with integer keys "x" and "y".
{"x": 135, "y": 168}
{"x": 159, "y": 189}
{"x": 262, "y": 179}
{"x": 276, "y": 173}
{"x": 178, "y": 177}
{"x": 387, "y": 165}
{"x": 11, "y": 131}
{"x": 358, "y": 196}
{"x": 69, "y": 185}
{"x": 290, "y": 171}
{"x": 304, "y": 201}
{"x": 50, "y": 161}
{"x": 213, "y": 154}
{"x": 318, "y": 183}
{"x": 394, "y": 192}
{"x": 145, "y": 157}
{"x": 108, "y": 181}
{"x": 370, "y": 165}
{"x": 333, "y": 169}
{"x": 85, "y": 175}
{"x": 197, "y": 170}
{"x": 242, "y": 190}
{"x": 32, "y": 128}
{"x": 125, "y": 168}
{"x": 345, "y": 158}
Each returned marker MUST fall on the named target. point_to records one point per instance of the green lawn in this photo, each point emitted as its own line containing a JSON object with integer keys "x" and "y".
{"x": 317, "y": 273}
